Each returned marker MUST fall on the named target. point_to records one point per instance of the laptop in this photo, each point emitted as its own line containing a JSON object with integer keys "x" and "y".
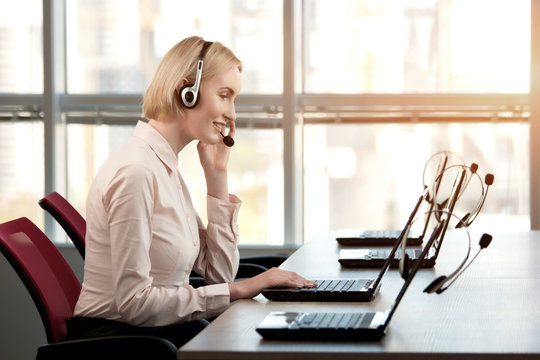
{"x": 372, "y": 258}
{"x": 343, "y": 289}
{"x": 354, "y": 237}
{"x": 340, "y": 326}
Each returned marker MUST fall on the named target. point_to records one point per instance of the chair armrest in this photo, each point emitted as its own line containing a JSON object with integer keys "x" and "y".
{"x": 246, "y": 270}
{"x": 197, "y": 281}
{"x": 114, "y": 347}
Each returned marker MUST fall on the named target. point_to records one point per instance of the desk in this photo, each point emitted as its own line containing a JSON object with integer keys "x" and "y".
{"x": 492, "y": 311}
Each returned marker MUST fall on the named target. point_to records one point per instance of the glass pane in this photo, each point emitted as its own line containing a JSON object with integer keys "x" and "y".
{"x": 370, "y": 176}
{"x": 255, "y": 175}
{"x": 21, "y": 46}
{"x": 115, "y": 45}
{"x": 428, "y": 46}
{"x": 21, "y": 170}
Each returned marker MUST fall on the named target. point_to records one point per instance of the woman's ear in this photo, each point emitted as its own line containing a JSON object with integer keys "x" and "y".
{"x": 181, "y": 84}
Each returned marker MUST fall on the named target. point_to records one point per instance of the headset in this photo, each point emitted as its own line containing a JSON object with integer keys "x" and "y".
{"x": 443, "y": 212}
{"x": 442, "y": 217}
{"x": 436, "y": 286}
{"x": 404, "y": 264}
{"x": 441, "y": 168}
{"x": 189, "y": 93}
{"x": 445, "y": 161}
{"x": 469, "y": 217}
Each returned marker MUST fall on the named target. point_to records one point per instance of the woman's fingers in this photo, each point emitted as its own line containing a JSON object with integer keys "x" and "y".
{"x": 286, "y": 278}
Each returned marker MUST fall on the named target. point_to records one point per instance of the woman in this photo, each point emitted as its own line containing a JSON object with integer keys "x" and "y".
{"x": 143, "y": 235}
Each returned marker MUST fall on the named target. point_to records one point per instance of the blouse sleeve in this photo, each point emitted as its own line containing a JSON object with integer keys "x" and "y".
{"x": 218, "y": 255}
{"x": 129, "y": 205}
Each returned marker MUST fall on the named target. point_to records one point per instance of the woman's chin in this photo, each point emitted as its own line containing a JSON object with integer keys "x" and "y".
{"x": 212, "y": 140}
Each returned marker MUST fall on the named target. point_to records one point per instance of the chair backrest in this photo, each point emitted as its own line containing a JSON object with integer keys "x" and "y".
{"x": 68, "y": 217}
{"x": 47, "y": 276}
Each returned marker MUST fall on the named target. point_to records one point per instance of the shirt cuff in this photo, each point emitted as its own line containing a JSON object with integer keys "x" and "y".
{"x": 217, "y": 298}
{"x": 223, "y": 212}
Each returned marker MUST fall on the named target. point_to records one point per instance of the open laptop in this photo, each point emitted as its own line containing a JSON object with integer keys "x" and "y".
{"x": 341, "y": 326}
{"x": 364, "y": 258}
{"x": 343, "y": 289}
{"x": 353, "y": 237}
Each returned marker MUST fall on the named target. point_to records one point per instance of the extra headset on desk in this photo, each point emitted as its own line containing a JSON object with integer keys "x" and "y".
{"x": 444, "y": 215}
{"x": 189, "y": 93}
{"x": 442, "y": 168}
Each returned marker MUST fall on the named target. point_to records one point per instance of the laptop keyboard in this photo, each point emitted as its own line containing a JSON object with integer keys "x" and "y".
{"x": 333, "y": 285}
{"x": 332, "y": 320}
{"x": 392, "y": 234}
{"x": 383, "y": 253}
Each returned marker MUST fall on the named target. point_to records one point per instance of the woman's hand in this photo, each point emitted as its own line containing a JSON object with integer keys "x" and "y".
{"x": 274, "y": 277}
{"x": 214, "y": 159}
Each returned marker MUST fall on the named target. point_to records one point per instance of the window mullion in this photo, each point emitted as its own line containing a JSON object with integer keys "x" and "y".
{"x": 53, "y": 86}
{"x": 292, "y": 139}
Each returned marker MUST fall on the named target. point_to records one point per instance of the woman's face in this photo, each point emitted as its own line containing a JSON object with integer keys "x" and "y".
{"x": 215, "y": 107}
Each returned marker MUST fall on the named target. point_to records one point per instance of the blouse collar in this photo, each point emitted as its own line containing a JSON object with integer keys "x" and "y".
{"x": 158, "y": 144}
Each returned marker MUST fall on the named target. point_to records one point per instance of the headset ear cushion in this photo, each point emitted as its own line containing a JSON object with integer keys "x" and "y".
{"x": 188, "y": 97}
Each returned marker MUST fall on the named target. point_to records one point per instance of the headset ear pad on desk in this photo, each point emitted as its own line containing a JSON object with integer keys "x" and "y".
{"x": 435, "y": 285}
{"x": 405, "y": 268}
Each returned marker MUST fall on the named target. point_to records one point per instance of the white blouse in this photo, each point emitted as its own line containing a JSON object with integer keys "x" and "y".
{"x": 143, "y": 238}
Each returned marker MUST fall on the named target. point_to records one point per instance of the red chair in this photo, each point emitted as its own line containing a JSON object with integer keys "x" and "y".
{"x": 55, "y": 289}
{"x": 68, "y": 217}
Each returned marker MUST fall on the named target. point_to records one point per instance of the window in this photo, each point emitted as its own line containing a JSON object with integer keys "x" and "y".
{"x": 21, "y": 168}
{"x": 429, "y": 46}
{"x": 21, "y": 54}
{"x": 369, "y": 176}
{"x": 21, "y": 127}
{"x": 114, "y": 46}
{"x": 380, "y": 87}
{"x": 366, "y": 153}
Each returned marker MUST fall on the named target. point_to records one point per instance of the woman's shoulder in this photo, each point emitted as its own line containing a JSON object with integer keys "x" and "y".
{"x": 132, "y": 160}
{"x": 132, "y": 153}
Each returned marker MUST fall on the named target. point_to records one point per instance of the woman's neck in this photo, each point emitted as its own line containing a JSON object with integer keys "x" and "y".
{"x": 170, "y": 128}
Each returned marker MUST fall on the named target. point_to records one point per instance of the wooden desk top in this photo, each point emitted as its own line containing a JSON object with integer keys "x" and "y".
{"x": 493, "y": 311}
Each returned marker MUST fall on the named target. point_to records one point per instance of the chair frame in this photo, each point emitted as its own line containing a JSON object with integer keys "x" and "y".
{"x": 68, "y": 217}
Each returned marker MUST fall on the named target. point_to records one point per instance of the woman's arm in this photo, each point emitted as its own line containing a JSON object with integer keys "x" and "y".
{"x": 274, "y": 277}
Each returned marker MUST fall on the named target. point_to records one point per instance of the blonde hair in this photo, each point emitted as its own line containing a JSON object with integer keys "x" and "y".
{"x": 179, "y": 63}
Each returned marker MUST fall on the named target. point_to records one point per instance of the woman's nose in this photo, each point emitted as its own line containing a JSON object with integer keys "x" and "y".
{"x": 231, "y": 114}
